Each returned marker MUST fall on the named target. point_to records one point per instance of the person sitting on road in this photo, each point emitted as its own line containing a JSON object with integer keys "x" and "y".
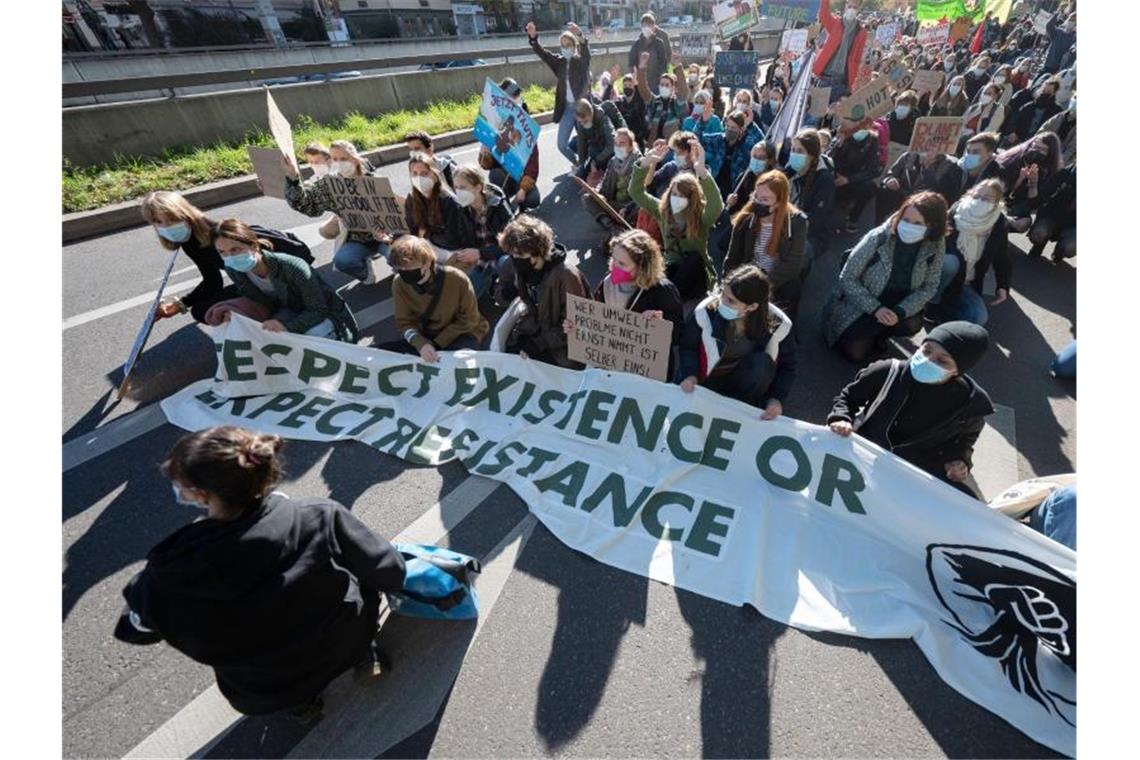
{"x": 1056, "y": 216}
{"x": 928, "y": 410}
{"x": 740, "y": 139}
{"x": 419, "y": 141}
{"x": 572, "y": 72}
{"x": 636, "y": 281}
{"x": 1064, "y": 125}
{"x": 738, "y": 344}
{"x": 1022, "y": 123}
{"x": 1024, "y": 169}
{"x": 977, "y": 76}
{"x": 296, "y": 297}
{"x": 985, "y": 115}
{"x": 702, "y": 119}
{"x": 770, "y": 107}
{"x": 977, "y": 162}
{"x": 743, "y": 102}
{"x": 180, "y": 224}
{"x": 684, "y": 213}
{"x": 952, "y": 100}
{"x": 300, "y": 577}
{"x": 430, "y": 204}
{"x": 318, "y": 158}
{"x": 813, "y": 188}
{"x": 594, "y": 140}
{"x": 680, "y": 144}
{"x": 435, "y": 305}
{"x": 855, "y": 158}
{"x": 914, "y": 172}
{"x": 664, "y": 111}
{"x": 901, "y": 120}
{"x": 542, "y": 279}
{"x": 615, "y": 183}
{"x": 761, "y": 161}
{"x": 632, "y": 109}
{"x": 886, "y": 282}
{"x": 472, "y": 233}
{"x": 354, "y": 256}
{"x": 771, "y": 233}
{"x": 523, "y": 192}
{"x": 978, "y": 239}
{"x": 708, "y": 84}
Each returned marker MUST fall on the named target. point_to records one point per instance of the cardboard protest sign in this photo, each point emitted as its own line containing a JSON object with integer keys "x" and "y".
{"x": 900, "y": 76}
{"x": 933, "y": 34}
{"x": 820, "y": 99}
{"x": 732, "y": 18}
{"x": 885, "y": 34}
{"x": 695, "y": 45}
{"x": 736, "y": 68}
{"x": 617, "y": 339}
{"x": 794, "y": 41}
{"x": 367, "y": 203}
{"x": 267, "y": 166}
{"x": 144, "y": 331}
{"x": 280, "y": 129}
{"x": 603, "y": 204}
{"x": 927, "y": 81}
{"x": 936, "y": 134}
{"x": 868, "y": 102}
{"x": 1041, "y": 22}
{"x": 792, "y": 11}
{"x": 959, "y": 30}
{"x": 506, "y": 129}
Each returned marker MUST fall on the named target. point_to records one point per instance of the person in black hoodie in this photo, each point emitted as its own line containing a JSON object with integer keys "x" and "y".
{"x": 180, "y": 224}
{"x": 855, "y": 157}
{"x": 279, "y": 596}
{"x": 572, "y": 70}
{"x": 901, "y": 120}
{"x": 928, "y": 410}
{"x": 813, "y": 188}
{"x": 1057, "y": 216}
{"x": 631, "y": 106}
{"x": 914, "y": 172}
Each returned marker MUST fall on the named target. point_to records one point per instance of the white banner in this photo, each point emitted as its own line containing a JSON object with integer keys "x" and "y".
{"x": 813, "y": 530}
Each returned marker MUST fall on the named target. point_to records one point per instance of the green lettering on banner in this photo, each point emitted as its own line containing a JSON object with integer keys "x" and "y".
{"x": 706, "y": 526}
{"x": 427, "y": 372}
{"x": 315, "y": 364}
{"x": 651, "y": 515}
{"x": 352, "y": 373}
{"x": 568, "y": 482}
{"x": 716, "y": 441}
{"x": 465, "y": 379}
{"x": 503, "y": 459}
{"x": 572, "y": 400}
{"x": 492, "y": 390}
{"x": 269, "y": 350}
{"x": 673, "y": 438}
{"x": 207, "y": 397}
{"x": 310, "y": 409}
{"x": 375, "y": 415}
{"x": 325, "y": 424}
{"x": 797, "y": 481}
{"x": 539, "y": 458}
{"x": 237, "y": 404}
{"x": 612, "y": 487}
{"x": 628, "y": 415}
{"x": 233, "y": 363}
{"x": 528, "y": 391}
{"x": 405, "y": 431}
{"x": 431, "y": 441}
{"x": 477, "y": 457}
{"x": 282, "y": 402}
{"x": 848, "y": 488}
{"x": 547, "y": 404}
{"x": 594, "y": 412}
{"x": 384, "y": 383}
{"x": 462, "y": 441}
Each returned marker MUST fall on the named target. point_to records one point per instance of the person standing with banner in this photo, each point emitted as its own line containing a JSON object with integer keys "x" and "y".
{"x": 927, "y": 410}
{"x": 837, "y": 64}
{"x": 572, "y": 70}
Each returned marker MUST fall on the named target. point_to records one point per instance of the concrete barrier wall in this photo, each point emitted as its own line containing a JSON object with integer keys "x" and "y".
{"x": 92, "y": 135}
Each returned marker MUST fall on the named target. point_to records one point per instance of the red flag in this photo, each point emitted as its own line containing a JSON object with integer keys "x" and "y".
{"x": 976, "y": 43}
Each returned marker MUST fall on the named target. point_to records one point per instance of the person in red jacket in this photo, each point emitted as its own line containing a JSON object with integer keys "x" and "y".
{"x": 837, "y": 64}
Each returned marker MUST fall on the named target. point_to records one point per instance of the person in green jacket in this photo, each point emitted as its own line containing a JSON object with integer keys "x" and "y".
{"x": 685, "y": 214}
{"x": 298, "y": 300}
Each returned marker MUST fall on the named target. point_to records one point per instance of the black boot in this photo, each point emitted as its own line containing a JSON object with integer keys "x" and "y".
{"x": 1036, "y": 251}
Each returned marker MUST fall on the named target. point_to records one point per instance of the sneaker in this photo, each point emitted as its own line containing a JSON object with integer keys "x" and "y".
{"x": 371, "y": 278}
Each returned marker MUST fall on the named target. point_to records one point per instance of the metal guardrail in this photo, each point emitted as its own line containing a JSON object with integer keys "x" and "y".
{"x": 225, "y": 76}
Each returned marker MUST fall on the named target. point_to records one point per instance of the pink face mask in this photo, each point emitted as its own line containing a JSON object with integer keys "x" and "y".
{"x": 620, "y": 276}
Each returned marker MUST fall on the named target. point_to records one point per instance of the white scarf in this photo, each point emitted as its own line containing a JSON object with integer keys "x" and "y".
{"x": 973, "y": 227}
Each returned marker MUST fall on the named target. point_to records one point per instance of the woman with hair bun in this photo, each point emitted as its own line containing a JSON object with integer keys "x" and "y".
{"x": 278, "y": 595}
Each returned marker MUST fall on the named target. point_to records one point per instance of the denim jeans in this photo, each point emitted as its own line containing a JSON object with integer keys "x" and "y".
{"x": 968, "y": 304}
{"x": 483, "y": 275}
{"x": 1056, "y": 517}
{"x": 1065, "y": 365}
{"x": 352, "y": 257}
{"x": 565, "y": 132}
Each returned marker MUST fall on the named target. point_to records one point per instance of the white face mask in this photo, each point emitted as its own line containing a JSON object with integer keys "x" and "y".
{"x": 567, "y": 52}
{"x": 910, "y": 232}
{"x": 464, "y": 197}
{"x": 620, "y": 153}
{"x": 320, "y": 170}
{"x": 1000, "y": 80}
{"x": 954, "y": 89}
{"x": 666, "y": 91}
{"x": 342, "y": 168}
{"x": 985, "y": 99}
{"x": 681, "y": 161}
{"x": 678, "y": 203}
{"x": 423, "y": 184}
{"x": 646, "y": 32}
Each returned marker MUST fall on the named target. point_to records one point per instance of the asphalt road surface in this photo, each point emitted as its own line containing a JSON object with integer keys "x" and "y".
{"x": 570, "y": 657}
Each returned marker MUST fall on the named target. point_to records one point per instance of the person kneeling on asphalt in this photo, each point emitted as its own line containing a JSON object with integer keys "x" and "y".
{"x": 740, "y": 345}
{"x": 542, "y": 279}
{"x": 435, "y": 306}
{"x": 615, "y": 182}
{"x": 295, "y": 296}
{"x": 278, "y": 595}
{"x": 594, "y": 140}
{"x": 928, "y": 410}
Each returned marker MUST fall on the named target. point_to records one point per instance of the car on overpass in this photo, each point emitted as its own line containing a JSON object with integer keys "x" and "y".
{"x": 452, "y": 64}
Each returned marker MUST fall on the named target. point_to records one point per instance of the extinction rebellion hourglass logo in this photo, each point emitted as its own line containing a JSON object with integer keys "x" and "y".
{"x": 1016, "y": 610}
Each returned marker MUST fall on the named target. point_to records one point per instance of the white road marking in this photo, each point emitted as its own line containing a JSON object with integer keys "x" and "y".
{"x": 177, "y": 272}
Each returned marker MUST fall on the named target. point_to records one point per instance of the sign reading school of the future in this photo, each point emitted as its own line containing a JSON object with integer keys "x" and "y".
{"x": 813, "y": 530}
{"x": 367, "y": 203}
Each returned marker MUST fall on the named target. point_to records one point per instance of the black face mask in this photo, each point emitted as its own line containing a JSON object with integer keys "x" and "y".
{"x": 761, "y": 210}
{"x": 411, "y": 276}
{"x": 628, "y": 92}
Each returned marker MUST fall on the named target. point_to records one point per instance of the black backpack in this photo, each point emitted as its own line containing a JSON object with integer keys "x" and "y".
{"x": 285, "y": 242}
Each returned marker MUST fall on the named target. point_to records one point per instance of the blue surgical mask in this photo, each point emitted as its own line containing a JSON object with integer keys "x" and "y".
{"x": 860, "y": 135}
{"x": 797, "y": 162}
{"x": 901, "y": 112}
{"x": 925, "y": 371}
{"x": 175, "y": 233}
{"x": 910, "y": 232}
{"x": 698, "y": 109}
{"x": 970, "y": 161}
{"x": 240, "y": 262}
{"x": 178, "y": 497}
{"x": 567, "y": 53}
{"x": 728, "y": 312}
{"x": 756, "y": 165}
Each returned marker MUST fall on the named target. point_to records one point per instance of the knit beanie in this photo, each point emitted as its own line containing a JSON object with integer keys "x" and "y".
{"x": 964, "y": 341}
